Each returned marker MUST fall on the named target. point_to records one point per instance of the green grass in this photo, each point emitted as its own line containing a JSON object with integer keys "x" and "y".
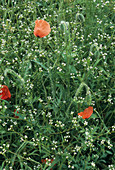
{"x": 52, "y": 79}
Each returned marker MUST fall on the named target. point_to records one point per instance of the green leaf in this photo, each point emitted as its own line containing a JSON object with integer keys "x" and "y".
{"x": 109, "y": 152}
{"x": 40, "y": 64}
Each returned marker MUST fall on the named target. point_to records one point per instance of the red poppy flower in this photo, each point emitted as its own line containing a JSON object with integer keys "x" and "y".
{"x": 86, "y": 113}
{"x": 5, "y": 93}
{"x": 44, "y": 161}
{"x": 42, "y": 28}
{"x": 15, "y": 115}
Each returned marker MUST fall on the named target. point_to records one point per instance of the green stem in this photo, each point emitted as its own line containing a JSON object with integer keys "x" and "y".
{"x": 76, "y": 94}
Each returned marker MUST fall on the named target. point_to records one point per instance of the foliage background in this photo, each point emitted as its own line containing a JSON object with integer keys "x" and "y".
{"x": 54, "y": 78}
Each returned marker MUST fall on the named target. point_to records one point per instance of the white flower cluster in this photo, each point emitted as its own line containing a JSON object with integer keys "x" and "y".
{"x": 59, "y": 124}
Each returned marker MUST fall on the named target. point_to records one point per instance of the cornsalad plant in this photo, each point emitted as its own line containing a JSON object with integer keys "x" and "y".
{"x": 57, "y": 84}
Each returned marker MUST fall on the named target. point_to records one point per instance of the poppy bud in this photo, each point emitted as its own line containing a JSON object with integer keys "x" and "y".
{"x": 64, "y": 26}
{"x": 95, "y": 50}
{"x": 79, "y": 17}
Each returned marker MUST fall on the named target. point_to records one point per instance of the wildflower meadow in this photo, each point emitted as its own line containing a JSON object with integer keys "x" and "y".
{"x": 57, "y": 84}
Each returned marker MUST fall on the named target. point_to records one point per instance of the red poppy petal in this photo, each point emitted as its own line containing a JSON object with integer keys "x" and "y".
{"x": 86, "y": 113}
{"x": 42, "y": 28}
{"x": 80, "y": 114}
{"x": 5, "y": 95}
{"x": 15, "y": 116}
{"x": 15, "y": 111}
{"x": 52, "y": 160}
{"x": 42, "y": 160}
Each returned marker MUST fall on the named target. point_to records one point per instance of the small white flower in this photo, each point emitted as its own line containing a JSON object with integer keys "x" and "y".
{"x": 87, "y": 133}
{"x": 93, "y": 164}
{"x": 72, "y": 113}
{"x": 25, "y": 136}
{"x": 102, "y": 142}
{"x": 85, "y": 123}
{"x": 79, "y": 116}
{"x": 15, "y": 123}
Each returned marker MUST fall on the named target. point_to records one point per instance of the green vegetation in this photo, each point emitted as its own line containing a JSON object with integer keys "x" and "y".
{"x": 54, "y": 78}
